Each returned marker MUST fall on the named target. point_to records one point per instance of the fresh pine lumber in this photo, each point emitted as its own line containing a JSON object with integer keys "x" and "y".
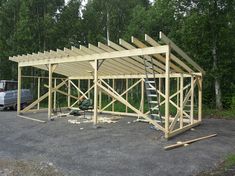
{"x": 185, "y": 143}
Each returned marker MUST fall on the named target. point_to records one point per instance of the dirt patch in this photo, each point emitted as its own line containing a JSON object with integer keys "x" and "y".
{"x": 27, "y": 168}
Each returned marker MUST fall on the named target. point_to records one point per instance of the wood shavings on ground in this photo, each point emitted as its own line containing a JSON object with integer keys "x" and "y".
{"x": 73, "y": 121}
{"x": 111, "y": 119}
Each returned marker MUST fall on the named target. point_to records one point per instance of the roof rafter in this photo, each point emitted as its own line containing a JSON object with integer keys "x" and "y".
{"x": 152, "y": 42}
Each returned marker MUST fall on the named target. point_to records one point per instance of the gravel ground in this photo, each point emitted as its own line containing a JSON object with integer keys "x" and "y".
{"x": 123, "y": 148}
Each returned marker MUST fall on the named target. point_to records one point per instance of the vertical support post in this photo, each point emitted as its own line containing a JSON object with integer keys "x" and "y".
{"x": 167, "y": 92}
{"x": 39, "y": 92}
{"x": 200, "y": 99}
{"x": 19, "y": 90}
{"x": 127, "y": 94}
{"x": 181, "y": 99}
{"x": 160, "y": 89}
{"x": 142, "y": 96}
{"x": 177, "y": 89}
{"x": 88, "y": 87}
{"x": 192, "y": 98}
{"x": 100, "y": 99}
{"x": 95, "y": 120}
{"x": 49, "y": 91}
{"x": 79, "y": 84}
{"x": 54, "y": 106}
{"x": 113, "y": 86}
{"x": 69, "y": 93}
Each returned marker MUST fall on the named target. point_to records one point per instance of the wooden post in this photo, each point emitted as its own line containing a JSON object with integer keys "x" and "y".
{"x": 192, "y": 98}
{"x": 39, "y": 92}
{"x": 181, "y": 99}
{"x": 19, "y": 90}
{"x": 113, "y": 98}
{"x": 200, "y": 99}
{"x": 142, "y": 96}
{"x": 167, "y": 92}
{"x": 88, "y": 87}
{"x": 100, "y": 99}
{"x": 79, "y": 84}
{"x": 160, "y": 89}
{"x": 69, "y": 93}
{"x": 49, "y": 91}
{"x": 177, "y": 89}
{"x": 95, "y": 120}
{"x": 54, "y": 106}
{"x": 126, "y": 94}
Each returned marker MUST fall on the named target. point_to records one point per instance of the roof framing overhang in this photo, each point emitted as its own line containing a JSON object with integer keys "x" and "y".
{"x": 116, "y": 60}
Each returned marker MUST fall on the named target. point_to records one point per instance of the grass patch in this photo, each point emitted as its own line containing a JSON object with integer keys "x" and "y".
{"x": 225, "y": 168}
{"x": 229, "y": 161}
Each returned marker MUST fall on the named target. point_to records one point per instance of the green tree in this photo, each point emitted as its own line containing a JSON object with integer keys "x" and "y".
{"x": 108, "y": 18}
{"x": 206, "y": 30}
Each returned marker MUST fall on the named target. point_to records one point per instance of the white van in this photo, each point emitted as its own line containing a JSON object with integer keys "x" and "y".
{"x": 8, "y": 95}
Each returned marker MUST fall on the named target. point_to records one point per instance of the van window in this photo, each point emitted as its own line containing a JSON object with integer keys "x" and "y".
{"x": 11, "y": 86}
{"x": 1, "y": 87}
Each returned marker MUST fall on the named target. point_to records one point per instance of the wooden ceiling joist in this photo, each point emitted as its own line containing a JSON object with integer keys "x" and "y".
{"x": 117, "y": 59}
{"x": 180, "y": 52}
{"x": 157, "y": 64}
{"x": 152, "y": 42}
{"x": 121, "y": 68}
{"x": 130, "y": 60}
{"x": 139, "y": 44}
{"x": 99, "y": 50}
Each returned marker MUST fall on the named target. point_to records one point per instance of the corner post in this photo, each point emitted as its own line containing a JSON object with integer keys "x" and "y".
{"x": 39, "y": 92}
{"x": 200, "y": 99}
{"x": 192, "y": 100}
{"x": 127, "y": 94}
{"x": 19, "y": 90}
{"x": 95, "y": 120}
{"x": 113, "y": 86}
{"x": 181, "y": 99}
{"x": 69, "y": 93}
{"x": 167, "y": 92}
{"x": 54, "y": 106}
{"x": 142, "y": 95}
{"x": 49, "y": 91}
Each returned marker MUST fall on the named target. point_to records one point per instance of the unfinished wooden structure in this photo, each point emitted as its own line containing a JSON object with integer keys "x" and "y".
{"x": 102, "y": 63}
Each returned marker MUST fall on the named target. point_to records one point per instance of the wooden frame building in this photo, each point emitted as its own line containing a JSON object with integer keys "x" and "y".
{"x": 172, "y": 67}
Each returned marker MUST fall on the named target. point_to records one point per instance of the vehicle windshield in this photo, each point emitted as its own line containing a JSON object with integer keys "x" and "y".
{"x": 1, "y": 86}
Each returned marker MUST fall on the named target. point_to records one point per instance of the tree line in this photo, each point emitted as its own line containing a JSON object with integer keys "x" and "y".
{"x": 204, "y": 29}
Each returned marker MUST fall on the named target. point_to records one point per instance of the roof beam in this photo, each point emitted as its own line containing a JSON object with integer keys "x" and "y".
{"x": 133, "y": 76}
{"x": 108, "y": 65}
{"x": 165, "y": 39}
{"x": 156, "y": 56}
{"x": 124, "y": 61}
{"x": 127, "y": 45}
{"x": 99, "y": 50}
{"x": 111, "y": 55}
{"x": 132, "y": 60}
{"x": 152, "y": 42}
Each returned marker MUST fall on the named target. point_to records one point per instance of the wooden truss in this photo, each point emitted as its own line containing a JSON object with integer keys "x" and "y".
{"x": 122, "y": 61}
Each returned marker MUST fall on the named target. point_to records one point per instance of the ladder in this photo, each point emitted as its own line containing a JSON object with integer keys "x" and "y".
{"x": 151, "y": 90}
